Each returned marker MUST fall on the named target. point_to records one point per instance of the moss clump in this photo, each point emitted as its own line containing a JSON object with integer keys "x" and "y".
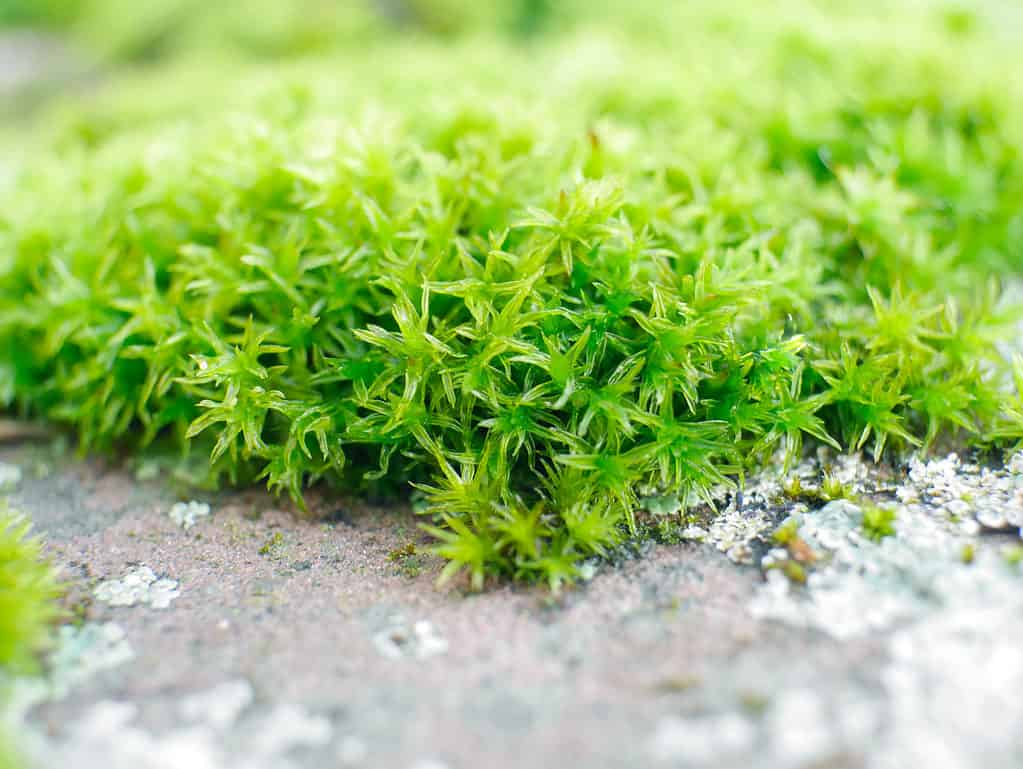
{"x": 273, "y": 546}
{"x": 787, "y": 533}
{"x": 29, "y": 589}
{"x": 832, "y": 488}
{"x": 29, "y": 609}
{"x": 968, "y": 554}
{"x": 408, "y": 559}
{"x": 622, "y": 259}
{"x": 878, "y": 522}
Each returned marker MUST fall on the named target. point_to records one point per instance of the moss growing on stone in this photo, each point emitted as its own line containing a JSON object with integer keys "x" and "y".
{"x": 533, "y": 283}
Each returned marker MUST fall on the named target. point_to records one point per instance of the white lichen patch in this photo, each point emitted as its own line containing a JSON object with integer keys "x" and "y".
{"x": 941, "y": 595}
{"x": 220, "y": 706}
{"x": 289, "y": 726}
{"x": 953, "y": 683}
{"x": 702, "y": 740}
{"x": 352, "y": 750}
{"x": 216, "y": 734}
{"x": 139, "y": 585}
{"x": 106, "y": 736}
{"x": 419, "y": 640}
{"x": 80, "y": 652}
{"x": 429, "y": 763}
{"x": 10, "y": 477}
{"x": 85, "y": 650}
{"x": 186, "y": 514}
{"x": 862, "y": 587}
{"x": 799, "y": 728}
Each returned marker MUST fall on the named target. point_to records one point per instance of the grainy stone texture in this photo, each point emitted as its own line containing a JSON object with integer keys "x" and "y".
{"x": 297, "y": 642}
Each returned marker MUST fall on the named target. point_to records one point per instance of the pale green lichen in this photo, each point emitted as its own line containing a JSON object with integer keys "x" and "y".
{"x": 187, "y": 514}
{"x": 138, "y": 585}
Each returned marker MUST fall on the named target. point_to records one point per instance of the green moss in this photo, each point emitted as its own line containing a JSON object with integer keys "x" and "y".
{"x": 408, "y": 559}
{"x": 273, "y": 545}
{"x": 29, "y": 589}
{"x": 1013, "y": 555}
{"x": 646, "y": 252}
{"x": 968, "y": 553}
{"x": 832, "y": 488}
{"x": 29, "y": 610}
{"x": 795, "y": 572}
{"x": 405, "y": 551}
{"x": 10, "y": 755}
{"x": 787, "y": 533}
{"x": 878, "y": 522}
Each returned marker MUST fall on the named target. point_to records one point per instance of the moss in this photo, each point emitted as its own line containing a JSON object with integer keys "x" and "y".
{"x": 648, "y": 251}
{"x": 408, "y": 559}
{"x": 10, "y": 755}
{"x": 1013, "y": 555}
{"x": 795, "y": 572}
{"x": 29, "y": 610}
{"x": 878, "y": 522}
{"x": 829, "y": 489}
{"x": 273, "y": 545}
{"x": 787, "y": 533}
{"x": 968, "y": 553}
{"x": 678, "y": 684}
{"x": 832, "y": 488}
{"x": 754, "y": 703}
{"x": 29, "y": 589}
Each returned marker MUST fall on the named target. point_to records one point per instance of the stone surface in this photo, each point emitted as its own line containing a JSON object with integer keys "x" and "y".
{"x": 294, "y": 641}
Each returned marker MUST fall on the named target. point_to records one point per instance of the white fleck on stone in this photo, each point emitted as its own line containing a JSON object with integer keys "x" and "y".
{"x": 105, "y": 736}
{"x": 740, "y": 553}
{"x": 10, "y": 477}
{"x": 587, "y": 570}
{"x": 430, "y": 643}
{"x": 420, "y": 641}
{"x": 694, "y": 533}
{"x": 429, "y": 763}
{"x": 220, "y": 706}
{"x": 185, "y": 514}
{"x": 106, "y": 717}
{"x": 139, "y": 585}
{"x": 291, "y": 726}
{"x": 969, "y": 527}
{"x": 1015, "y": 465}
{"x": 704, "y": 740}
{"x": 351, "y": 751}
{"x": 991, "y": 518}
{"x": 800, "y": 728}
{"x": 957, "y": 507}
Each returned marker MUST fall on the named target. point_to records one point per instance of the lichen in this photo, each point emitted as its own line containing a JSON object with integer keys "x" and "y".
{"x": 10, "y": 477}
{"x": 187, "y": 514}
{"x": 138, "y": 585}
